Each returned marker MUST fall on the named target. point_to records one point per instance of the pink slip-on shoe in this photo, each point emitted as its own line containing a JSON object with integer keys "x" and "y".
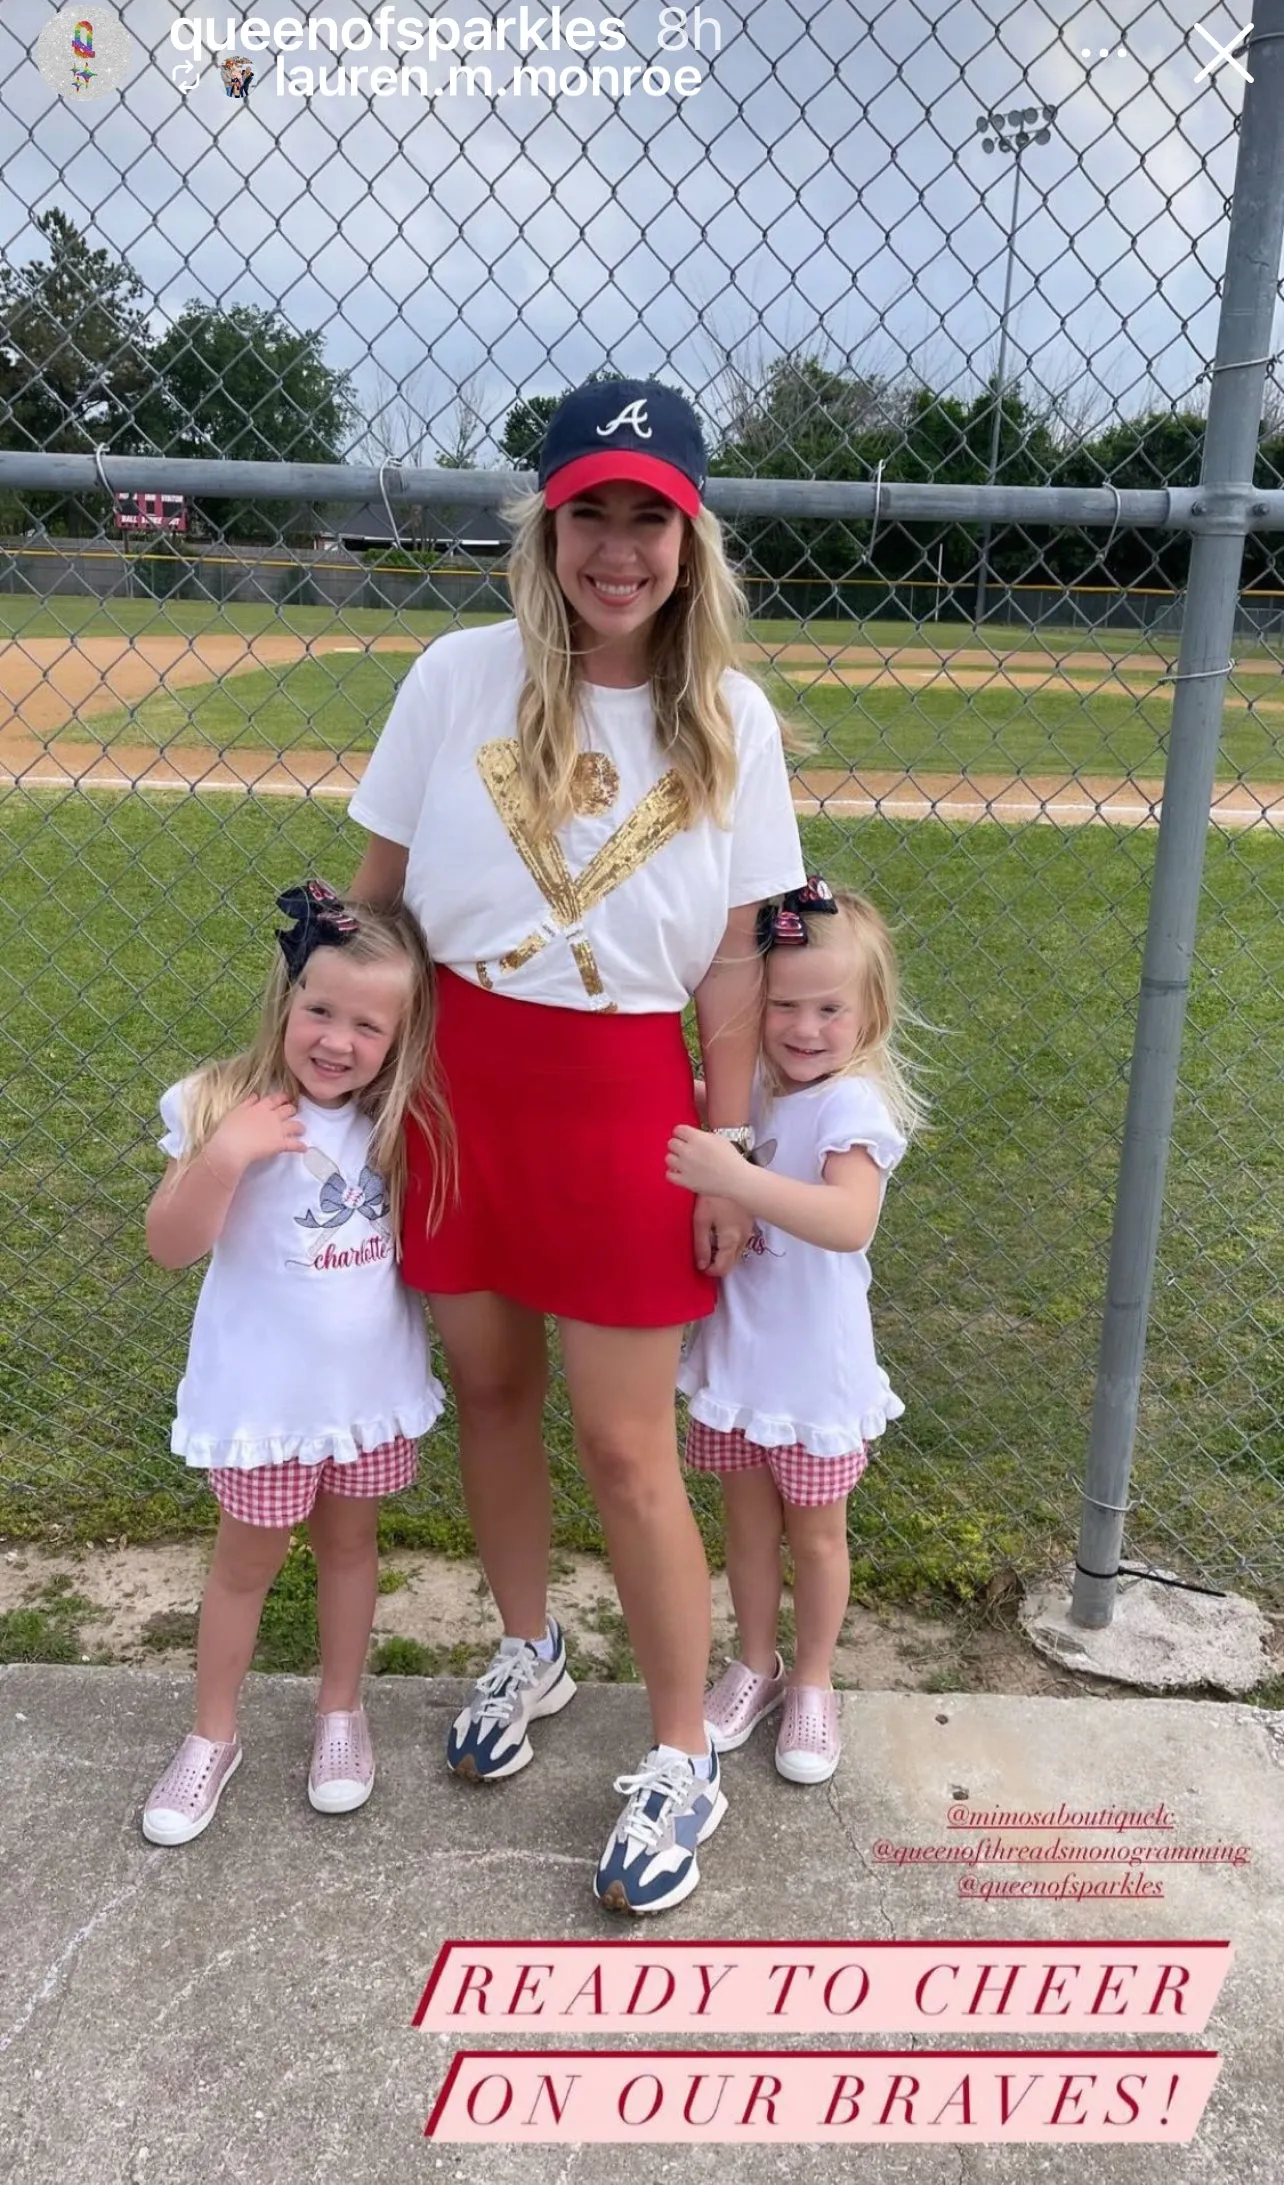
{"x": 183, "y": 1803}
{"x": 738, "y": 1702}
{"x": 341, "y": 1777}
{"x": 808, "y": 1747}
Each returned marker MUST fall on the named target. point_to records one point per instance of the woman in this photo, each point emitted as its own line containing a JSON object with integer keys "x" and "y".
{"x": 584, "y": 807}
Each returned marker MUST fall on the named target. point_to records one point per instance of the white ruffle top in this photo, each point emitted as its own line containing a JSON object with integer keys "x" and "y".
{"x": 305, "y": 1342}
{"x": 788, "y": 1353}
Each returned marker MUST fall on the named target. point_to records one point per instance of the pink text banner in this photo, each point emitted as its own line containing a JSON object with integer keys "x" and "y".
{"x": 684, "y": 1988}
{"x": 725, "y": 2096}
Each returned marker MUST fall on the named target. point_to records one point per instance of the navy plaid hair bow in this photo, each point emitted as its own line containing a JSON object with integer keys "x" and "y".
{"x": 320, "y": 921}
{"x": 784, "y": 924}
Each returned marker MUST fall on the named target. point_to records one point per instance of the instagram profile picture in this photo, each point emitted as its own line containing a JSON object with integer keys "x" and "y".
{"x": 84, "y": 52}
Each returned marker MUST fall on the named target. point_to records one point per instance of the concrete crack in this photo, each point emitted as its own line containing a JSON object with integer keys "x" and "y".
{"x": 858, "y": 1852}
{"x": 53, "y": 1978}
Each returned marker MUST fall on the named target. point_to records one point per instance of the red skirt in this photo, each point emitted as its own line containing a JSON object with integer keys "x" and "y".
{"x": 563, "y": 1119}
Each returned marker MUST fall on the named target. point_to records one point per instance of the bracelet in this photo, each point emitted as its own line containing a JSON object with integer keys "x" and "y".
{"x": 740, "y": 1136}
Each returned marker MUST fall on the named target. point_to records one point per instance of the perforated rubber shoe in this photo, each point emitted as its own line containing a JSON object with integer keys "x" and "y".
{"x": 342, "y": 1774}
{"x": 650, "y": 1862}
{"x": 488, "y": 1739}
{"x": 808, "y": 1748}
{"x": 738, "y": 1702}
{"x": 185, "y": 1800}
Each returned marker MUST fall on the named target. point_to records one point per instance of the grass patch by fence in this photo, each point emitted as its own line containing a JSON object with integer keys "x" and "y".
{"x": 137, "y": 930}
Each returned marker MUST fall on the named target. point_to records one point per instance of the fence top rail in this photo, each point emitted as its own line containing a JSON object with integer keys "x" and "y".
{"x": 1237, "y": 507}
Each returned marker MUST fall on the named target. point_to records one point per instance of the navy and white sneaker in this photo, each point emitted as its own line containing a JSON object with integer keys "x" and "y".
{"x": 488, "y": 1740}
{"x": 650, "y": 1859}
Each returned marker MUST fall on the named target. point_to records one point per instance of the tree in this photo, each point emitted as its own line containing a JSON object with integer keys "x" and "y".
{"x": 75, "y": 355}
{"x": 243, "y": 384}
{"x": 524, "y": 430}
{"x": 804, "y": 417}
{"x": 465, "y": 429}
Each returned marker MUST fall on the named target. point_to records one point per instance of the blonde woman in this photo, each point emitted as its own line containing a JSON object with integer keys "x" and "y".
{"x": 308, "y": 1377}
{"x": 584, "y": 807}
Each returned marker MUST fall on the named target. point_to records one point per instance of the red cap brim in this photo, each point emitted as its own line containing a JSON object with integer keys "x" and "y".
{"x": 611, "y": 467}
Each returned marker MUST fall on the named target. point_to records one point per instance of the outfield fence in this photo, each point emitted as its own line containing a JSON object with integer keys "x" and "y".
{"x": 1078, "y": 1274}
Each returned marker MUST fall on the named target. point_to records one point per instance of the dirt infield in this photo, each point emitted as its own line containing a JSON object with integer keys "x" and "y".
{"x": 47, "y": 684}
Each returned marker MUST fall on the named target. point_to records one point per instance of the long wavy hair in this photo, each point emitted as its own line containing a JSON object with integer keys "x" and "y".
{"x": 694, "y": 641}
{"x": 406, "y": 1086}
{"x": 861, "y": 933}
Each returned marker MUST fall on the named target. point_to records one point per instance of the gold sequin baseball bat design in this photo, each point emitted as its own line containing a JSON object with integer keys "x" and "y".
{"x": 660, "y": 815}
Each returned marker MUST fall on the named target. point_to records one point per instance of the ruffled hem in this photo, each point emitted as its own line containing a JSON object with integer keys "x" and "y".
{"x": 246, "y": 1453}
{"x": 771, "y": 1431}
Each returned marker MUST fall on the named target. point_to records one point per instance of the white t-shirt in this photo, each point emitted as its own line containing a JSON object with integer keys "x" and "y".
{"x": 624, "y": 908}
{"x": 788, "y": 1354}
{"x": 305, "y": 1343}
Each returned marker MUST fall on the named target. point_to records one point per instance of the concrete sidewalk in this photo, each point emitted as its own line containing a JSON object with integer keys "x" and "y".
{"x": 240, "y": 2009}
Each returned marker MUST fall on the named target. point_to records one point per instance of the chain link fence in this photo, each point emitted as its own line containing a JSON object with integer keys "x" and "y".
{"x": 1002, "y": 483}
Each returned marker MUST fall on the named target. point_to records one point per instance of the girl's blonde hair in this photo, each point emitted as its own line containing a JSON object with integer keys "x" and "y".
{"x": 695, "y": 640}
{"x": 407, "y": 1085}
{"x": 862, "y": 931}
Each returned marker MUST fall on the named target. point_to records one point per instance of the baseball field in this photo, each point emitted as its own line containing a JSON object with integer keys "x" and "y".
{"x": 138, "y": 922}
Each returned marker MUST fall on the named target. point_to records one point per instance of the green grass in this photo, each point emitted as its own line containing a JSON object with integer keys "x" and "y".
{"x": 339, "y": 702}
{"x": 136, "y": 931}
{"x": 47, "y": 1627}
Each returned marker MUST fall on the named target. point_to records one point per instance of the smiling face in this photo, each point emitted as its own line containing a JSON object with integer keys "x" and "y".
{"x": 619, "y": 550}
{"x": 342, "y": 1021}
{"x": 810, "y": 1022}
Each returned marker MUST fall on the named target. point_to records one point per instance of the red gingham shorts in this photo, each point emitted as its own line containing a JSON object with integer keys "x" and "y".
{"x": 281, "y": 1495}
{"x": 801, "y": 1479}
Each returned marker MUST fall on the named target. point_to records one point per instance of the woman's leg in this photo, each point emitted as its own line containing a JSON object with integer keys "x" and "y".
{"x": 344, "y": 1531}
{"x": 822, "y": 1586}
{"x": 621, "y": 1383}
{"x": 755, "y": 1528}
{"x": 246, "y": 1560}
{"x": 498, "y": 1362}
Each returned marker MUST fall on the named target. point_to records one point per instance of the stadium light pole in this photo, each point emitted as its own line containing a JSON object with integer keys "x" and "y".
{"x": 1012, "y": 132}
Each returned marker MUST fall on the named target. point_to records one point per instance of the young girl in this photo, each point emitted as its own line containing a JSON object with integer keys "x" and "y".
{"x": 585, "y": 807}
{"x": 784, "y": 1388}
{"x": 308, "y": 1378}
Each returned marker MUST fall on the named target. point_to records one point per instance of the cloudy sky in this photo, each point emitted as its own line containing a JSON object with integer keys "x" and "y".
{"x": 824, "y": 188}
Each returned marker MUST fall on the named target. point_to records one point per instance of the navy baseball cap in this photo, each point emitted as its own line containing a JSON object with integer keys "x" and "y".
{"x": 629, "y": 429}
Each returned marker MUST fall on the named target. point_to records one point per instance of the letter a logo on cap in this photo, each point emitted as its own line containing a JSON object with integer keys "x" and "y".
{"x": 633, "y": 415}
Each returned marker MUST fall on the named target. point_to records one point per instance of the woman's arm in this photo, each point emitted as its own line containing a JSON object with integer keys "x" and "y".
{"x": 380, "y": 878}
{"x": 728, "y": 1004}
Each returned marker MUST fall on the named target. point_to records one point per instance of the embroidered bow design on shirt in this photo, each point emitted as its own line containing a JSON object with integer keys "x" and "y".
{"x": 340, "y": 1200}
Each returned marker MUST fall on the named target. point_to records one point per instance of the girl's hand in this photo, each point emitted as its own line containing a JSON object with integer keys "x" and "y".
{"x": 700, "y": 1162}
{"x": 255, "y": 1129}
{"x": 722, "y": 1230}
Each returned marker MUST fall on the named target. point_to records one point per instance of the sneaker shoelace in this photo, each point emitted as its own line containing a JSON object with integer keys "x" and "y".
{"x": 665, "y": 1781}
{"x": 500, "y": 1685}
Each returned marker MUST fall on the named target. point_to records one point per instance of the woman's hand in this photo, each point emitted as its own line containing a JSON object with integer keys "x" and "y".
{"x": 722, "y": 1230}
{"x": 716, "y": 1172}
{"x": 700, "y": 1161}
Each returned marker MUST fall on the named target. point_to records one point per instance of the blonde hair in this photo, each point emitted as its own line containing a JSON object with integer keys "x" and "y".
{"x": 406, "y": 1086}
{"x": 694, "y": 642}
{"x": 864, "y": 934}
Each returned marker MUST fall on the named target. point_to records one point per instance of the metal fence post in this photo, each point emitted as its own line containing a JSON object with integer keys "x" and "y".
{"x": 1234, "y": 410}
